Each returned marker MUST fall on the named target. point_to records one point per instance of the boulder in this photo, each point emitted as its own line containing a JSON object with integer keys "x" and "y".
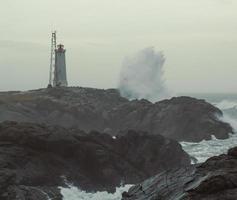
{"x": 216, "y": 179}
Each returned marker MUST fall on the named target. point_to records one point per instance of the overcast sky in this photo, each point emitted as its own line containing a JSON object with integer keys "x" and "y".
{"x": 198, "y": 38}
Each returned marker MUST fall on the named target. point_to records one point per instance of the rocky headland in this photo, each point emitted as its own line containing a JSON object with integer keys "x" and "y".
{"x": 179, "y": 118}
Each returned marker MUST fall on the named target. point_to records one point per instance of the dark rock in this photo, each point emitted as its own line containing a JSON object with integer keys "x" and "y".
{"x": 32, "y": 193}
{"x": 216, "y": 179}
{"x": 180, "y": 118}
{"x": 126, "y": 195}
{"x": 36, "y": 159}
{"x": 232, "y": 152}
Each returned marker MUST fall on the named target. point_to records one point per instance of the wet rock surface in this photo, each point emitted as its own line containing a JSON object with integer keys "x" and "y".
{"x": 36, "y": 159}
{"x": 180, "y": 118}
{"x": 216, "y": 179}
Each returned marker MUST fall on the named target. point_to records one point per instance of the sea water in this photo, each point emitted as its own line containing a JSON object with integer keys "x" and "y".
{"x": 201, "y": 151}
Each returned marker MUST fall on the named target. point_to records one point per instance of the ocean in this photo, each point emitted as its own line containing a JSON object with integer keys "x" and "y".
{"x": 201, "y": 151}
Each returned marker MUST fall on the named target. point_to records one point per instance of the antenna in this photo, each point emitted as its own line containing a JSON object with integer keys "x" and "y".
{"x": 52, "y": 58}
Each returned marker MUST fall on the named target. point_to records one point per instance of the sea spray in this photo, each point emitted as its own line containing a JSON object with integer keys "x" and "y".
{"x": 142, "y": 76}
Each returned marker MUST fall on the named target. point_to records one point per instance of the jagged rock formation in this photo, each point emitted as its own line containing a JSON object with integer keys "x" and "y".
{"x": 181, "y": 118}
{"x": 216, "y": 179}
{"x": 36, "y": 159}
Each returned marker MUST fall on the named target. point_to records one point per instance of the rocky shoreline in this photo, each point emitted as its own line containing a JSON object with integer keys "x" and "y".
{"x": 96, "y": 140}
{"x": 36, "y": 158}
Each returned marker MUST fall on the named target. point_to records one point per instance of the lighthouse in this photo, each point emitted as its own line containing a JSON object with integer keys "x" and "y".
{"x": 58, "y": 72}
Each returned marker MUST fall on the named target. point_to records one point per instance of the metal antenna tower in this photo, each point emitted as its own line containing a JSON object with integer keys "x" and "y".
{"x": 52, "y": 58}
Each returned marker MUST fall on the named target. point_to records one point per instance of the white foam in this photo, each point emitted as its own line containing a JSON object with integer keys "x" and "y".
{"x": 73, "y": 193}
{"x": 206, "y": 149}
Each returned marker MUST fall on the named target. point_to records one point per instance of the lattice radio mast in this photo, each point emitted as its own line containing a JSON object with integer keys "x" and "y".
{"x": 52, "y": 58}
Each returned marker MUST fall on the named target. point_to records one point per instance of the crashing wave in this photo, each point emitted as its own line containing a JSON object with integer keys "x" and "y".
{"x": 142, "y": 76}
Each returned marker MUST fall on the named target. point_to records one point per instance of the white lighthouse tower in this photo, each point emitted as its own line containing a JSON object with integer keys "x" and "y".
{"x": 58, "y": 73}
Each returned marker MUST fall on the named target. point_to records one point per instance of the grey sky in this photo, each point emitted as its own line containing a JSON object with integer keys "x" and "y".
{"x": 198, "y": 38}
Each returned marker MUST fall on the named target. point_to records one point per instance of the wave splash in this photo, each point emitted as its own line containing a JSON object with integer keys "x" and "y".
{"x": 142, "y": 76}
